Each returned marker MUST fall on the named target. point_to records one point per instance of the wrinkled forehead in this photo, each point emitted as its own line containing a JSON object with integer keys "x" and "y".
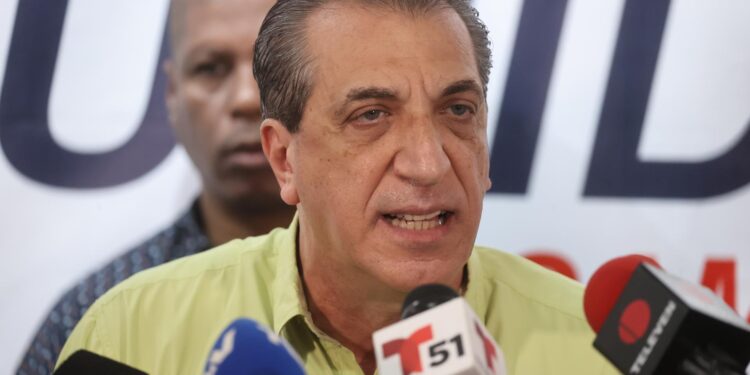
{"x": 353, "y": 46}
{"x": 372, "y": 13}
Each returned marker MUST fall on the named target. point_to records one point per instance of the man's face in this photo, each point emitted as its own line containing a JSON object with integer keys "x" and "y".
{"x": 390, "y": 164}
{"x": 213, "y": 99}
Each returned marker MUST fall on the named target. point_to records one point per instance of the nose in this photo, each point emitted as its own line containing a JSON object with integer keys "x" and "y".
{"x": 421, "y": 159}
{"x": 245, "y": 95}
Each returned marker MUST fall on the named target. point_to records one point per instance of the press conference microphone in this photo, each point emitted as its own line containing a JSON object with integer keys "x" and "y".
{"x": 84, "y": 362}
{"x": 650, "y": 322}
{"x": 245, "y": 347}
{"x": 438, "y": 334}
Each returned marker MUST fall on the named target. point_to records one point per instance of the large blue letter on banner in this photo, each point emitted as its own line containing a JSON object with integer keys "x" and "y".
{"x": 24, "y": 126}
{"x": 615, "y": 170}
{"x": 525, "y": 95}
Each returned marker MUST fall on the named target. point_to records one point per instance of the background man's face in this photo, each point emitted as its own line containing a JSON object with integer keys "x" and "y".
{"x": 214, "y": 101}
{"x": 390, "y": 163}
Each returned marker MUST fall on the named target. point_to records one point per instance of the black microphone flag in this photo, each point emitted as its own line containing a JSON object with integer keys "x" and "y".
{"x": 662, "y": 324}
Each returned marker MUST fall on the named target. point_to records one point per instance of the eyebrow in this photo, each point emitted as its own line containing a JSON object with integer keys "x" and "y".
{"x": 203, "y": 53}
{"x": 373, "y": 92}
{"x": 364, "y": 93}
{"x": 469, "y": 85}
{"x": 208, "y": 48}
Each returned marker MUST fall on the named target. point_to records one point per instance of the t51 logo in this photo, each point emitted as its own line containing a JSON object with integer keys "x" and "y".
{"x": 408, "y": 349}
{"x": 439, "y": 352}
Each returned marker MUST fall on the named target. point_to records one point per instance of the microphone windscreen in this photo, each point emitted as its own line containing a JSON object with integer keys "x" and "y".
{"x": 426, "y": 297}
{"x": 246, "y": 347}
{"x": 606, "y": 285}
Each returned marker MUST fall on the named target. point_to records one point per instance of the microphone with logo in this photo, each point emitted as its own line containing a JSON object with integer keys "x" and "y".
{"x": 245, "y": 347}
{"x": 650, "y": 322}
{"x": 438, "y": 334}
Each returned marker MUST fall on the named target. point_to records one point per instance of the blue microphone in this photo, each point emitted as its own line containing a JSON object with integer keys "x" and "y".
{"x": 245, "y": 347}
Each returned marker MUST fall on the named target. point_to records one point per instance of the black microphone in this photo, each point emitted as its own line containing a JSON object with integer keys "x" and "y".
{"x": 439, "y": 334}
{"x": 84, "y": 362}
{"x": 424, "y": 298}
{"x": 661, "y": 324}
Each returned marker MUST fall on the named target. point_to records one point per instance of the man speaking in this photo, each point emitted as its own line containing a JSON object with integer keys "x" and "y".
{"x": 375, "y": 128}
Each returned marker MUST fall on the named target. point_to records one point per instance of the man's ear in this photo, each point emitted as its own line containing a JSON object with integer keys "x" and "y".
{"x": 171, "y": 91}
{"x": 278, "y": 147}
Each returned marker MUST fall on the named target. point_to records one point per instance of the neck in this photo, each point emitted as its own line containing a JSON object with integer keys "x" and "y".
{"x": 345, "y": 302}
{"x": 348, "y": 305}
{"x": 223, "y": 222}
{"x": 348, "y": 313}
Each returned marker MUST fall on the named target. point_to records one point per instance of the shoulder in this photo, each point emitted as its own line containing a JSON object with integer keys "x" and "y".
{"x": 184, "y": 237}
{"x": 527, "y": 280}
{"x": 181, "y": 238}
{"x": 535, "y": 314}
{"x": 191, "y": 297}
{"x": 224, "y": 259}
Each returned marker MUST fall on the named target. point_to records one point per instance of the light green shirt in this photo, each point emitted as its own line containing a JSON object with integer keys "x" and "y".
{"x": 165, "y": 320}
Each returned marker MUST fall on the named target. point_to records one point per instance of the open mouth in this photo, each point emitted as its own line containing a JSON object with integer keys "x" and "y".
{"x": 418, "y": 222}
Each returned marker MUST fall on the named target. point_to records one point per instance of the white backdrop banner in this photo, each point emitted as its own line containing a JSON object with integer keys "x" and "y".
{"x": 615, "y": 127}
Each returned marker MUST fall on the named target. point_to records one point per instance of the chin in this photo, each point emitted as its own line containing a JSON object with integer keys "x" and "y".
{"x": 255, "y": 200}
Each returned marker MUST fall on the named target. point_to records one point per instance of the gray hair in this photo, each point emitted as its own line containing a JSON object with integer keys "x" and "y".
{"x": 283, "y": 70}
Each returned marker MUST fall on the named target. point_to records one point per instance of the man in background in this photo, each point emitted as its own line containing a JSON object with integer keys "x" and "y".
{"x": 214, "y": 108}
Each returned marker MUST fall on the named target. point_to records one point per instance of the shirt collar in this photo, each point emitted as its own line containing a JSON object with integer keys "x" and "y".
{"x": 477, "y": 294}
{"x": 289, "y": 297}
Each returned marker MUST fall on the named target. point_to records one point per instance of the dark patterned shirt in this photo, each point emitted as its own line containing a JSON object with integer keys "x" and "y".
{"x": 184, "y": 237}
